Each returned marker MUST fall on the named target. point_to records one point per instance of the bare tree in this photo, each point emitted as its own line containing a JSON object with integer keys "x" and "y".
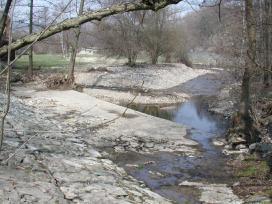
{"x": 75, "y": 47}
{"x": 163, "y": 36}
{"x": 6, "y": 106}
{"x": 30, "y": 54}
{"x": 87, "y": 17}
{"x": 155, "y": 34}
{"x": 121, "y": 36}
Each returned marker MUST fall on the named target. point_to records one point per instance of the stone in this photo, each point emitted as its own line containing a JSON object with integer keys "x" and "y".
{"x": 29, "y": 159}
{"x": 227, "y": 147}
{"x": 149, "y": 145}
{"x": 236, "y": 184}
{"x": 233, "y": 152}
{"x": 63, "y": 167}
{"x": 134, "y": 144}
{"x": 252, "y": 147}
{"x": 132, "y": 165}
{"x": 69, "y": 166}
{"x": 258, "y": 199}
{"x": 219, "y": 142}
{"x": 68, "y": 192}
{"x": 240, "y": 146}
{"x": 235, "y": 140}
{"x": 214, "y": 193}
{"x": 94, "y": 153}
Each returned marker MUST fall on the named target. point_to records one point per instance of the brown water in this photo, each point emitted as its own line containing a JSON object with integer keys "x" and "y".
{"x": 162, "y": 172}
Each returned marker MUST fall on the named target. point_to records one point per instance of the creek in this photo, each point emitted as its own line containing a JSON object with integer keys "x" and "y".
{"x": 162, "y": 172}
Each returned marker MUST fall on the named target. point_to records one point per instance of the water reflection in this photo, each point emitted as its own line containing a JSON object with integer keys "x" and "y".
{"x": 192, "y": 114}
{"x": 154, "y": 111}
{"x": 170, "y": 169}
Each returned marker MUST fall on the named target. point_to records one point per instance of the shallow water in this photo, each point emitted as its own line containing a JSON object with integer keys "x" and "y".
{"x": 162, "y": 172}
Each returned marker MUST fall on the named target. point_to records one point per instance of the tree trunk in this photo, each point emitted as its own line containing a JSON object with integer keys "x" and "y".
{"x": 75, "y": 47}
{"x": 270, "y": 37}
{"x": 154, "y": 60}
{"x": 154, "y": 57}
{"x": 131, "y": 62}
{"x": 3, "y": 20}
{"x": 6, "y": 107}
{"x": 30, "y": 54}
{"x": 245, "y": 103}
{"x": 132, "y": 59}
{"x": 168, "y": 58}
{"x": 267, "y": 63}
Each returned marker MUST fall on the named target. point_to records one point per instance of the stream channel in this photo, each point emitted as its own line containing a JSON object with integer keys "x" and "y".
{"x": 162, "y": 172}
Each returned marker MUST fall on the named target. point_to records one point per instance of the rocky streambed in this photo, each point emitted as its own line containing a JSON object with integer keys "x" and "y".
{"x": 154, "y": 84}
{"x": 57, "y": 143}
{"x": 197, "y": 178}
{"x": 50, "y": 149}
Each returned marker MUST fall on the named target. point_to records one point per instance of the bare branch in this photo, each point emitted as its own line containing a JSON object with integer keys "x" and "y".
{"x": 87, "y": 17}
{"x": 217, "y": 4}
{"x": 35, "y": 40}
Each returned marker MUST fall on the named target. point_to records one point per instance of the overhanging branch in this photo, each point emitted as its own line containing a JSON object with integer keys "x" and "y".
{"x": 87, "y": 17}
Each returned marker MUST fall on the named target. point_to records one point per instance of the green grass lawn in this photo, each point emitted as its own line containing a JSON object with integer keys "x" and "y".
{"x": 42, "y": 61}
{"x": 57, "y": 61}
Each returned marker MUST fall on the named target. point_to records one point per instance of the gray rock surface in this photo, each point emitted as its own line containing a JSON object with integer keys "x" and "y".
{"x": 214, "y": 193}
{"x": 59, "y": 163}
{"x": 163, "y": 84}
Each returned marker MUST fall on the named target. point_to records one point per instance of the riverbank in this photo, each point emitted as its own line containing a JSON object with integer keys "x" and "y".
{"x": 204, "y": 178}
{"x": 58, "y": 133}
{"x": 70, "y": 135}
{"x": 163, "y": 84}
{"x": 223, "y": 101}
